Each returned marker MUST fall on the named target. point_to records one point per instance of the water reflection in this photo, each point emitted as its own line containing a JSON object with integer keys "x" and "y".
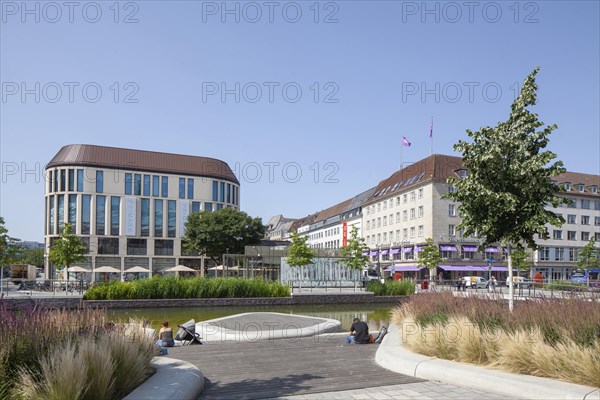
{"x": 375, "y": 315}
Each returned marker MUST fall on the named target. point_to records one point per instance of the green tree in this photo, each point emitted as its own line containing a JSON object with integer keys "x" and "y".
{"x": 509, "y": 181}
{"x": 33, "y": 257}
{"x": 66, "y": 250}
{"x": 9, "y": 251}
{"x": 352, "y": 252}
{"x": 521, "y": 260}
{"x": 430, "y": 257}
{"x": 299, "y": 254}
{"x": 587, "y": 257}
{"x": 224, "y": 231}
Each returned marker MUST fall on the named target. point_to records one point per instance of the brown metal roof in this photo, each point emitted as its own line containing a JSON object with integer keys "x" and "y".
{"x": 87, "y": 155}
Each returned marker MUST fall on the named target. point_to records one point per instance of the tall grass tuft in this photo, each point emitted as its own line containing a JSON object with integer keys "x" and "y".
{"x": 188, "y": 288}
{"x": 555, "y": 338}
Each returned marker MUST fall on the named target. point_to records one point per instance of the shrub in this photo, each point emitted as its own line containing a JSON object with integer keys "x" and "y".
{"x": 403, "y": 287}
{"x": 189, "y": 288}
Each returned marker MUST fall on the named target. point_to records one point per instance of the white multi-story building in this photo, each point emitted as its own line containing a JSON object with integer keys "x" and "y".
{"x": 130, "y": 206}
{"x": 405, "y": 209}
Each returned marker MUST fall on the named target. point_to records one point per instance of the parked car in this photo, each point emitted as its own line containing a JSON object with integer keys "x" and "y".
{"x": 475, "y": 282}
{"x": 519, "y": 281}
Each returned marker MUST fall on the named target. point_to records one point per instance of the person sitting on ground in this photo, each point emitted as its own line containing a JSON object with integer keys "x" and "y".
{"x": 165, "y": 336}
{"x": 359, "y": 332}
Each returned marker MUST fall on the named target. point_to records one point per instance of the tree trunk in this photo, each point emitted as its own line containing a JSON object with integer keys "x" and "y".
{"x": 511, "y": 289}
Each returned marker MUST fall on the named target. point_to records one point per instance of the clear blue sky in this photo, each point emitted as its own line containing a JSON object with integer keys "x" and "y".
{"x": 376, "y": 60}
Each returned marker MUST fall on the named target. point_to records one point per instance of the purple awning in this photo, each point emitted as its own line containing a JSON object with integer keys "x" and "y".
{"x": 448, "y": 247}
{"x": 384, "y": 251}
{"x": 373, "y": 252}
{"x": 460, "y": 268}
{"x": 403, "y": 268}
{"x": 419, "y": 248}
{"x": 469, "y": 248}
{"x": 492, "y": 250}
{"x": 395, "y": 251}
{"x": 407, "y": 249}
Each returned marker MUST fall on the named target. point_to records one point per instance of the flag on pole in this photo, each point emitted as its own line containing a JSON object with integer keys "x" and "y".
{"x": 431, "y": 129}
{"x": 405, "y": 142}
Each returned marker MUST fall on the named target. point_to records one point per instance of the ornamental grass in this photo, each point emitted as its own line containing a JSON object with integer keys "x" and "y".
{"x": 553, "y": 338}
{"x": 186, "y": 288}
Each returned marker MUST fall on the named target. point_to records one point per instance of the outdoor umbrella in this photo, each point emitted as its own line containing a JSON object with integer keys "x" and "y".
{"x": 106, "y": 268}
{"x": 76, "y": 268}
{"x": 137, "y": 269}
{"x": 180, "y": 268}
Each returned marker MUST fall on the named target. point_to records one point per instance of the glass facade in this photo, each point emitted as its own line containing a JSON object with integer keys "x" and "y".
{"x": 115, "y": 214}
{"x": 165, "y": 186}
{"x": 163, "y": 247}
{"x": 63, "y": 180}
{"x": 73, "y": 212}
{"x": 221, "y": 191}
{"x": 146, "y": 185}
{"x": 71, "y": 180}
{"x": 182, "y": 188}
{"x": 80, "y": 180}
{"x": 190, "y": 188}
{"x": 52, "y": 215}
{"x": 99, "y": 181}
{"x": 155, "y": 185}
{"x": 85, "y": 214}
{"x": 128, "y": 183}
{"x": 171, "y": 218}
{"x": 100, "y": 214}
{"x": 137, "y": 184}
{"x": 136, "y": 247}
{"x": 61, "y": 212}
{"x": 208, "y": 206}
{"x": 145, "y": 231}
{"x": 108, "y": 245}
{"x": 215, "y": 191}
{"x": 158, "y": 218}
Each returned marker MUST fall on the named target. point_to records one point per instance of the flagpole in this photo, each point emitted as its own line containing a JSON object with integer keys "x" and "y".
{"x": 401, "y": 146}
{"x": 431, "y": 137}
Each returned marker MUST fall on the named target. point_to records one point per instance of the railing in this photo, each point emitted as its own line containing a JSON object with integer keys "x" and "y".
{"x": 54, "y": 286}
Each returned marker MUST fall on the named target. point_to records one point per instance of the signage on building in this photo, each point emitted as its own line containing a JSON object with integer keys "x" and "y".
{"x": 344, "y": 234}
{"x": 462, "y": 240}
{"x": 130, "y": 216}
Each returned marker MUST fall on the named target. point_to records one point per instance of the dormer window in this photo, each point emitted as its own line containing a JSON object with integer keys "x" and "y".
{"x": 594, "y": 189}
{"x": 462, "y": 173}
{"x": 567, "y": 186}
{"x": 581, "y": 187}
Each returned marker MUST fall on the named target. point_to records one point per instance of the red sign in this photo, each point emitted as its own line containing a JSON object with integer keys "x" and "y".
{"x": 344, "y": 234}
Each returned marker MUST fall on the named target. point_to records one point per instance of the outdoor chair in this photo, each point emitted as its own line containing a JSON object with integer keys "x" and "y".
{"x": 187, "y": 333}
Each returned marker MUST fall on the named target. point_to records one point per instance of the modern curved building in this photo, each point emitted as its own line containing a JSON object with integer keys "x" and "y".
{"x": 130, "y": 206}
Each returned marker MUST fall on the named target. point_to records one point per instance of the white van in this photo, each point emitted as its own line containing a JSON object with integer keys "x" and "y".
{"x": 369, "y": 274}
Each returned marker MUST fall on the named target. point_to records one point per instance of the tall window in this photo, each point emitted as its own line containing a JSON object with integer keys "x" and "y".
{"x": 61, "y": 213}
{"x": 171, "y": 217}
{"x": 412, "y": 213}
{"x": 99, "y": 181}
{"x": 155, "y": 185}
{"x": 421, "y": 230}
{"x": 544, "y": 253}
{"x": 215, "y": 191}
{"x": 557, "y": 234}
{"x": 190, "y": 188}
{"x": 73, "y": 211}
{"x": 585, "y": 236}
{"x": 72, "y": 180}
{"x": 115, "y": 214}
{"x": 56, "y": 180}
{"x": 585, "y": 204}
{"x": 50, "y": 180}
{"x": 195, "y": 206}
{"x": 137, "y": 184}
{"x": 146, "y": 185}
{"x": 451, "y": 230}
{"x": 100, "y": 214}
{"x": 221, "y": 191}
{"x": 52, "y": 215}
{"x": 80, "y": 180}
{"x": 165, "y": 186}
{"x": 128, "y": 183}
{"x": 571, "y": 219}
{"x": 572, "y": 254}
{"x": 585, "y": 220}
{"x": 136, "y": 247}
{"x": 452, "y": 210}
{"x": 559, "y": 254}
{"x": 571, "y": 235}
{"x": 208, "y": 206}
{"x": 63, "y": 180}
{"x": 182, "y": 188}
{"x": 85, "y": 213}
{"x": 163, "y": 247}
{"x": 158, "y": 217}
{"x": 229, "y": 193}
{"x": 145, "y": 226}
{"x": 420, "y": 211}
